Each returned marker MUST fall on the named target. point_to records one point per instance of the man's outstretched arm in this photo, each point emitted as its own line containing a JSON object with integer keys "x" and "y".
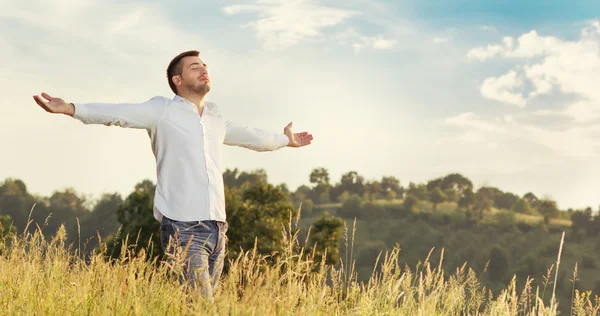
{"x": 143, "y": 115}
{"x": 260, "y": 140}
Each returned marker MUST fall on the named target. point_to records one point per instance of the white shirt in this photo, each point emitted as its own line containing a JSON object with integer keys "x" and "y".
{"x": 188, "y": 150}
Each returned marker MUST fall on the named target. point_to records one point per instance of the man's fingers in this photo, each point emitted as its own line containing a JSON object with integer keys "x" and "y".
{"x": 305, "y": 139}
{"x": 47, "y": 96}
{"x": 38, "y": 100}
{"x": 41, "y": 103}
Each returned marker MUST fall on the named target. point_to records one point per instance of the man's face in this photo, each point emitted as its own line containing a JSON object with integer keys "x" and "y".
{"x": 194, "y": 75}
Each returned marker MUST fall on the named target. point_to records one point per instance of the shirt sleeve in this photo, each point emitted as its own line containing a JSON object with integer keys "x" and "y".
{"x": 253, "y": 138}
{"x": 143, "y": 115}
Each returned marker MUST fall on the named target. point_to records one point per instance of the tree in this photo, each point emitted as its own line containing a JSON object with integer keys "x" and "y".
{"x": 233, "y": 178}
{"x": 467, "y": 200}
{"x": 373, "y": 191}
{"x": 457, "y": 182}
{"x": 409, "y": 204}
{"x": 547, "y": 207}
{"x": 352, "y": 207}
{"x": 325, "y": 237}
{"x": 391, "y": 184}
{"x": 451, "y": 182}
{"x": 16, "y": 202}
{"x": 451, "y": 195}
{"x": 522, "y": 206}
{"x": 66, "y": 207}
{"x": 499, "y": 264}
{"x": 482, "y": 201}
{"x": 102, "y": 221}
{"x": 321, "y": 193}
{"x": 436, "y": 197}
{"x": 257, "y": 214}
{"x": 368, "y": 253}
{"x": 390, "y": 196}
{"x": 506, "y": 201}
{"x": 307, "y": 207}
{"x": 531, "y": 199}
{"x": 343, "y": 197}
{"x": 303, "y": 192}
{"x": 491, "y": 193}
{"x": 594, "y": 227}
{"x": 418, "y": 191}
{"x": 353, "y": 183}
{"x": 139, "y": 227}
{"x": 435, "y": 183}
{"x": 581, "y": 220}
{"x": 319, "y": 176}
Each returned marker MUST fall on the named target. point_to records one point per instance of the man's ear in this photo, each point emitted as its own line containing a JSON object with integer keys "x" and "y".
{"x": 176, "y": 80}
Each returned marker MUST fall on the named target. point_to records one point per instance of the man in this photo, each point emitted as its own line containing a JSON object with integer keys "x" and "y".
{"x": 187, "y": 134}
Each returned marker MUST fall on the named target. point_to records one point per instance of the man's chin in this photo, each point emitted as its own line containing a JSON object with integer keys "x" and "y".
{"x": 202, "y": 90}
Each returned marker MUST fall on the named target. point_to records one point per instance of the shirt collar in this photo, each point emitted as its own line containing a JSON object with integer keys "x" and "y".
{"x": 207, "y": 105}
{"x": 182, "y": 100}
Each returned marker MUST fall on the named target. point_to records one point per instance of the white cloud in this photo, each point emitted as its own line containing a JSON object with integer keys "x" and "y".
{"x": 489, "y": 51}
{"x": 548, "y": 64}
{"x": 503, "y": 88}
{"x": 128, "y": 32}
{"x": 381, "y": 43}
{"x": 475, "y": 122}
{"x": 528, "y": 45}
{"x": 286, "y": 23}
{"x": 360, "y": 41}
{"x": 282, "y": 24}
{"x": 440, "y": 40}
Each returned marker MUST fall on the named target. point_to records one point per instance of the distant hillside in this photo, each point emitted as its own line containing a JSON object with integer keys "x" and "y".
{"x": 507, "y": 243}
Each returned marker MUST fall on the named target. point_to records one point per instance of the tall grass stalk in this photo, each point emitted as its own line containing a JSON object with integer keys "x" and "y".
{"x": 553, "y": 302}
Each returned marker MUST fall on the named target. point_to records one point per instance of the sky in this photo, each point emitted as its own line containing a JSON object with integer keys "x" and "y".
{"x": 501, "y": 92}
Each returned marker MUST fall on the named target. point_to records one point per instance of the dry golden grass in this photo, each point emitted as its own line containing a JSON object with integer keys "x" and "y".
{"x": 44, "y": 277}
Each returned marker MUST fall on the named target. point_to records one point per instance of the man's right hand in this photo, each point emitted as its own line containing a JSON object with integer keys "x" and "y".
{"x": 55, "y": 105}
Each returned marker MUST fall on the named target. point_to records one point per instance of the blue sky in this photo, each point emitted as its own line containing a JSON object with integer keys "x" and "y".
{"x": 502, "y": 92}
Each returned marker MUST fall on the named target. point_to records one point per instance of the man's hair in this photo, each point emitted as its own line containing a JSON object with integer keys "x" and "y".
{"x": 175, "y": 67}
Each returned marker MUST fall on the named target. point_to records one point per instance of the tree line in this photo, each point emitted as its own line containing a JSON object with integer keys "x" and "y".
{"x": 353, "y": 190}
{"x": 257, "y": 210}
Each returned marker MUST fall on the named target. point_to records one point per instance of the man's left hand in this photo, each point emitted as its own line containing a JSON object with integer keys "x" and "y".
{"x": 297, "y": 139}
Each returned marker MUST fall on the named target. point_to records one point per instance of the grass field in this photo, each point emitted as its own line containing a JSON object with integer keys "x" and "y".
{"x": 40, "y": 276}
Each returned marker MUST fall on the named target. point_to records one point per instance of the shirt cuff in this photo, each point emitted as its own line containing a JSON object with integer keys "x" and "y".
{"x": 284, "y": 140}
{"x": 80, "y": 111}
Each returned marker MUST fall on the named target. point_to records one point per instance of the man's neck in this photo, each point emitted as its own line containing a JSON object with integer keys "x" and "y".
{"x": 196, "y": 99}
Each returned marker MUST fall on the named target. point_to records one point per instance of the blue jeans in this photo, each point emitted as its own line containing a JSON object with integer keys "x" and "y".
{"x": 206, "y": 243}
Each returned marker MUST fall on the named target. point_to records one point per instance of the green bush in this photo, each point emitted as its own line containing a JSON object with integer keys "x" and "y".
{"x": 351, "y": 208}
{"x": 588, "y": 262}
{"x": 506, "y": 221}
{"x": 499, "y": 264}
{"x": 373, "y": 210}
{"x": 367, "y": 254}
